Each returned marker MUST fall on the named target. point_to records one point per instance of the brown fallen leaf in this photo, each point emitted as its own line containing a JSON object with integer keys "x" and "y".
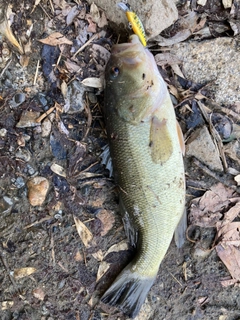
{"x": 39, "y": 294}
{"x": 55, "y": 39}
{"x": 93, "y": 82}
{"x": 121, "y": 246}
{"x": 103, "y": 268}
{"x": 23, "y": 272}
{"x": 230, "y": 256}
{"x": 84, "y": 233}
{"x": 5, "y": 305}
{"x": 208, "y": 209}
{"x": 107, "y": 219}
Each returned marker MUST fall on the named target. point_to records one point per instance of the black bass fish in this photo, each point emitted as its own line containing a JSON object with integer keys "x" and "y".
{"x": 146, "y": 146}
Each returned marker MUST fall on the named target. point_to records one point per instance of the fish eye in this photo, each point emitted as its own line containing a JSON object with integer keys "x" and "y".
{"x": 115, "y": 72}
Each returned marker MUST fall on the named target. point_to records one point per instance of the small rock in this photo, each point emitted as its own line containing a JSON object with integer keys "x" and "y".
{"x": 37, "y": 190}
{"x": 39, "y": 294}
{"x": 201, "y": 146}
{"x": 30, "y": 170}
{"x": 74, "y": 100}
{"x": 23, "y": 154}
{"x": 46, "y": 128}
{"x": 19, "y": 182}
{"x": 3, "y": 132}
{"x": 237, "y": 179}
{"x": 28, "y": 119}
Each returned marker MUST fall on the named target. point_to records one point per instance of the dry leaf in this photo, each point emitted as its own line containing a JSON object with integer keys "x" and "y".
{"x": 207, "y": 210}
{"x": 39, "y": 294}
{"x": 107, "y": 219}
{"x": 56, "y": 168}
{"x": 227, "y": 3}
{"x": 98, "y": 16}
{"x": 72, "y": 14}
{"x": 201, "y": 2}
{"x": 103, "y": 268}
{"x": 64, "y": 88}
{"x": 78, "y": 256}
{"x": 71, "y": 66}
{"x": 93, "y": 82}
{"x": 23, "y": 272}
{"x": 5, "y": 305}
{"x": 35, "y": 4}
{"x": 121, "y": 246}
{"x": 98, "y": 255}
{"x": 237, "y": 179}
{"x": 92, "y": 27}
{"x": 84, "y": 233}
{"x": 230, "y": 256}
{"x": 56, "y": 39}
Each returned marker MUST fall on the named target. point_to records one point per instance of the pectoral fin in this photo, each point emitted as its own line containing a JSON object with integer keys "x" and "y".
{"x": 180, "y": 138}
{"x": 160, "y": 141}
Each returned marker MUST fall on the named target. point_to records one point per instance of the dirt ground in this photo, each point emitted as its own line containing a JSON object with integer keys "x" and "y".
{"x": 47, "y": 271}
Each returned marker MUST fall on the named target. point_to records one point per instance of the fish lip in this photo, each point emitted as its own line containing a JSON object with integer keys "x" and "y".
{"x": 134, "y": 44}
{"x": 129, "y": 54}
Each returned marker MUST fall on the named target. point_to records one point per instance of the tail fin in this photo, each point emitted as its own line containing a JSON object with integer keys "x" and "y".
{"x": 128, "y": 292}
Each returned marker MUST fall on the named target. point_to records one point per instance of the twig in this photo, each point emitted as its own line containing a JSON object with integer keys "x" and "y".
{"x": 51, "y": 5}
{"x": 175, "y": 278}
{"x": 37, "y": 222}
{"x": 45, "y": 114}
{"x": 89, "y": 117}
{"x": 95, "y": 36}
{"x": 212, "y": 174}
{"x": 36, "y": 73}
{"x": 5, "y": 68}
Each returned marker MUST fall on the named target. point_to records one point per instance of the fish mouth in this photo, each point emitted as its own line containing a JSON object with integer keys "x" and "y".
{"x": 130, "y": 53}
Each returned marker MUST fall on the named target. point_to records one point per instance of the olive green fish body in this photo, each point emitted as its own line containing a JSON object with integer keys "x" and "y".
{"x": 147, "y": 163}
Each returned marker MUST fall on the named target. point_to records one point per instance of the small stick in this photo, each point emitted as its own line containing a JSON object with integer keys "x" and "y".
{"x": 36, "y": 73}
{"x": 45, "y": 114}
{"x": 212, "y": 174}
{"x": 5, "y": 68}
{"x": 95, "y": 36}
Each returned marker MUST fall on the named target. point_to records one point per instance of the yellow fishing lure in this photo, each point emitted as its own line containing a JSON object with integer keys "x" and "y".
{"x": 135, "y": 23}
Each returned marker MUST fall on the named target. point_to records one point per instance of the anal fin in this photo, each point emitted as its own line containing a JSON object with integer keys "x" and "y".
{"x": 129, "y": 227}
{"x": 180, "y": 231}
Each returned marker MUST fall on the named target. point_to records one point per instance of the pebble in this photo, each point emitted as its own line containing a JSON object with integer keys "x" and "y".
{"x": 37, "y": 190}
{"x": 28, "y": 119}
{"x": 19, "y": 182}
{"x": 74, "y": 100}
{"x": 201, "y": 146}
{"x": 46, "y": 128}
{"x": 3, "y": 132}
{"x": 23, "y": 154}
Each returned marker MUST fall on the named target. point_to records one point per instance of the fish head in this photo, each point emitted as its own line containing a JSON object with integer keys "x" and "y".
{"x": 134, "y": 86}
